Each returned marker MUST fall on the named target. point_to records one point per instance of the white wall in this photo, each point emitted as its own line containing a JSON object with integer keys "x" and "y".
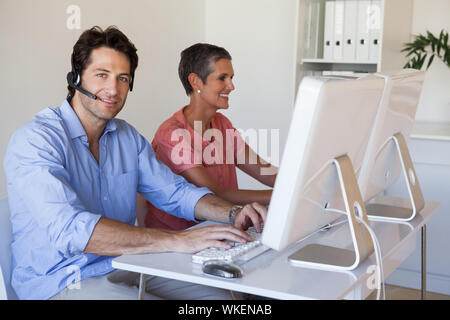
{"x": 434, "y": 105}
{"x": 35, "y": 47}
{"x": 261, "y": 36}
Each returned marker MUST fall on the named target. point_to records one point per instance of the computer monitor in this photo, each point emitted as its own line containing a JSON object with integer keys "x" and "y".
{"x": 387, "y": 153}
{"x": 329, "y": 131}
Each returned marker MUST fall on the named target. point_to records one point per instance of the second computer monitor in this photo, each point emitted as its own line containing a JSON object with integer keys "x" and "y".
{"x": 387, "y": 153}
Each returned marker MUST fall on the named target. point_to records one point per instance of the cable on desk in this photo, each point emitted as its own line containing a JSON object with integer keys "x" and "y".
{"x": 377, "y": 248}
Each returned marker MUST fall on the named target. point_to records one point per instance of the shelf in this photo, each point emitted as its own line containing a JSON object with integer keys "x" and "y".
{"x": 431, "y": 131}
{"x": 395, "y": 19}
{"x": 337, "y": 61}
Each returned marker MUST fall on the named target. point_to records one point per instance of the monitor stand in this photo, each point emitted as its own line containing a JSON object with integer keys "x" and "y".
{"x": 380, "y": 211}
{"x": 338, "y": 259}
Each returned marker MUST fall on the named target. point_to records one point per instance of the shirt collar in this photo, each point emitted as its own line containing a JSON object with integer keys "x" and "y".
{"x": 179, "y": 115}
{"x": 110, "y": 126}
{"x": 73, "y": 123}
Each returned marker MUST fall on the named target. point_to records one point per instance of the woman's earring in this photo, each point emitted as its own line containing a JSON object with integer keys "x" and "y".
{"x": 198, "y": 91}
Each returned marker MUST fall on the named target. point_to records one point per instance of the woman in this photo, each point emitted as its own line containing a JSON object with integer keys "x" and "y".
{"x": 210, "y": 148}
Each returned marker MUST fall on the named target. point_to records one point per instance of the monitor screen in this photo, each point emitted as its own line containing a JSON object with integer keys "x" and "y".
{"x": 332, "y": 117}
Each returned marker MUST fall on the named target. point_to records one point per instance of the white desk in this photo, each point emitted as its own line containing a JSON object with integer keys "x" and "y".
{"x": 271, "y": 275}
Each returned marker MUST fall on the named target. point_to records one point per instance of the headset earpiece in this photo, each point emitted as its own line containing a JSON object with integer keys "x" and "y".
{"x": 73, "y": 79}
{"x": 78, "y": 81}
{"x": 70, "y": 76}
{"x": 70, "y": 79}
{"x": 131, "y": 83}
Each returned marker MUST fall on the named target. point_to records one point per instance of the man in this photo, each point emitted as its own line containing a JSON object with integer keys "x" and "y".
{"x": 73, "y": 173}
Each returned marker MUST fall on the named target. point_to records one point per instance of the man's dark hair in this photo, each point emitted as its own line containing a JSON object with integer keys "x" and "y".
{"x": 199, "y": 59}
{"x": 96, "y": 38}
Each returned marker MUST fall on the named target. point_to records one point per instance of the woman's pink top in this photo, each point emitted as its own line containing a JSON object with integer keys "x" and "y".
{"x": 177, "y": 145}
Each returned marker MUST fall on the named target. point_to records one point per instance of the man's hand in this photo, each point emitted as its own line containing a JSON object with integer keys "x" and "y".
{"x": 251, "y": 214}
{"x": 197, "y": 239}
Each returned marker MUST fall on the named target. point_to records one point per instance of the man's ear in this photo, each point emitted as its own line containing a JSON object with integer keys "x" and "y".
{"x": 195, "y": 81}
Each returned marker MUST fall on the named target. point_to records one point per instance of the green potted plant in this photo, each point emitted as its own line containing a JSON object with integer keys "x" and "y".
{"x": 428, "y": 46}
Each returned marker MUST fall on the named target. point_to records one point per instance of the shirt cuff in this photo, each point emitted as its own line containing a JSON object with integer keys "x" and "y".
{"x": 192, "y": 200}
{"x": 84, "y": 227}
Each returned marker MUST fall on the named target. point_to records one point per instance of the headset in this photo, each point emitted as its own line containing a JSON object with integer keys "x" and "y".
{"x": 74, "y": 81}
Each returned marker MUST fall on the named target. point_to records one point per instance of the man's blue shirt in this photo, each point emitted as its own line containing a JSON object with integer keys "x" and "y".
{"x": 57, "y": 193}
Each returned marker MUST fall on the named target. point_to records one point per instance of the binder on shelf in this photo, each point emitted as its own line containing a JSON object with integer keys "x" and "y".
{"x": 313, "y": 31}
{"x": 362, "y": 39}
{"x": 309, "y": 34}
{"x": 328, "y": 31}
{"x": 350, "y": 27}
{"x": 338, "y": 30}
{"x": 374, "y": 18}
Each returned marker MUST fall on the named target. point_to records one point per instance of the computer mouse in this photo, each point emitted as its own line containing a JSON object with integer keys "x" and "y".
{"x": 222, "y": 268}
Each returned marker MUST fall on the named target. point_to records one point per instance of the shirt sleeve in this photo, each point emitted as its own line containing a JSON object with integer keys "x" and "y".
{"x": 38, "y": 183}
{"x": 164, "y": 189}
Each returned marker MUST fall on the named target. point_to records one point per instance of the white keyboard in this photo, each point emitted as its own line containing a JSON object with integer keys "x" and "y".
{"x": 240, "y": 252}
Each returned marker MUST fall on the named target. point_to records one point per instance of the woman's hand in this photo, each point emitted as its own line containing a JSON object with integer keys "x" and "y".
{"x": 251, "y": 214}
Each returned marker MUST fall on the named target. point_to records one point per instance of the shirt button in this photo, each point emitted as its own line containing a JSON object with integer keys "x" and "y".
{"x": 105, "y": 198}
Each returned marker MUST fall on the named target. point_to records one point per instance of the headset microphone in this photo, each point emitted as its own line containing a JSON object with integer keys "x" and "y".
{"x": 72, "y": 84}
